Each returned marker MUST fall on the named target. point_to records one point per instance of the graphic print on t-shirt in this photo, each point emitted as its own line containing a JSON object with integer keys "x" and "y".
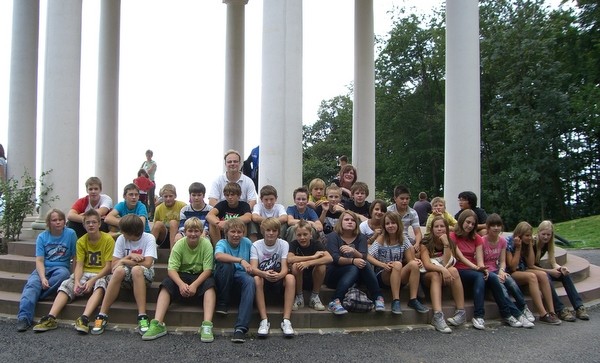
{"x": 272, "y": 263}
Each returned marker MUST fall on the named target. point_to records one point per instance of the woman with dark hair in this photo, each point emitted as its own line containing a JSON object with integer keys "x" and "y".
{"x": 348, "y": 247}
{"x": 373, "y": 227}
{"x": 474, "y": 274}
{"x": 348, "y": 177}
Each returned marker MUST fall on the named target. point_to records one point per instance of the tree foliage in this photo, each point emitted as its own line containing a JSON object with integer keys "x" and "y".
{"x": 540, "y": 86}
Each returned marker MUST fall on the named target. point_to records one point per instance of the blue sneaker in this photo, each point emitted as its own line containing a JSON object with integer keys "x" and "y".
{"x": 396, "y": 308}
{"x": 416, "y": 304}
{"x": 379, "y": 304}
{"x": 336, "y": 307}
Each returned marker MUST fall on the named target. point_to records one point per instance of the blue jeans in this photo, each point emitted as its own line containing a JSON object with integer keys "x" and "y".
{"x": 570, "y": 289}
{"x": 226, "y": 279}
{"x": 511, "y": 287}
{"x": 505, "y": 305}
{"x": 32, "y": 292}
{"x": 475, "y": 280}
{"x": 341, "y": 278}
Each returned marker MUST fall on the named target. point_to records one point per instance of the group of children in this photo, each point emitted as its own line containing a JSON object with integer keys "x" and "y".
{"x": 232, "y": 246}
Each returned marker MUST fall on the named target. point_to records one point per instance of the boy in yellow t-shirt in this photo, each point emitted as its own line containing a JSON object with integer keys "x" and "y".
{"x": 166, "y": 217}
{"x": 94, "y": 254}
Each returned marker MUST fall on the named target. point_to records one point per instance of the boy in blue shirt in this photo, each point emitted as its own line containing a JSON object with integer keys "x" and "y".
{"x": 233, "y": 272}
{"x": 130, "y": 205}
{"x": 54, "y": 249}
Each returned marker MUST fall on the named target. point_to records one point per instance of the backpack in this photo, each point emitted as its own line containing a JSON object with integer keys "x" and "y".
{"x": 357, "y": 301}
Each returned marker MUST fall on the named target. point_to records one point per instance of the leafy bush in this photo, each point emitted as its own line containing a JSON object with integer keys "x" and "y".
{"x": 19, "y": 200}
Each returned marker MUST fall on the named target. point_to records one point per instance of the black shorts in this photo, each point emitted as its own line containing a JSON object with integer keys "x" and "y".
{"x": 188, "y": 278}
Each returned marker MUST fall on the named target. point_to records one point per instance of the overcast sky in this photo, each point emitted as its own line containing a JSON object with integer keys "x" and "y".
{"x": 172, "y": 75}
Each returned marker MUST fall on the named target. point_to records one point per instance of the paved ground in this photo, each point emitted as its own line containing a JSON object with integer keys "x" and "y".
{"x": 569, "y": 342}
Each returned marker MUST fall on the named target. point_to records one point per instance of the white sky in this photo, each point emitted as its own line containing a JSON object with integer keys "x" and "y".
{"x": 172, "y": 75}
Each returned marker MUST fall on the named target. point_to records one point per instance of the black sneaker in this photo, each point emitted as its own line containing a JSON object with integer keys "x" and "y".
{"x": 23, "y": 325}
{"x": 221, "y": 310}
{"x": 416, "y": 304}
{"x": 238, "y": 336}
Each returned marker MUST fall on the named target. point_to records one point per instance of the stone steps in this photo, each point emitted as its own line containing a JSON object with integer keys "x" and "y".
{"x": 16, "y": 266}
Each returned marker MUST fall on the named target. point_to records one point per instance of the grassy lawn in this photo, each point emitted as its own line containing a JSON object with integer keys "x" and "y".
{"x": 583, "y": 232}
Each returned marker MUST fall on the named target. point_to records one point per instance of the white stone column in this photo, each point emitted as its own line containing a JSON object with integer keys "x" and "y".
{"x": 363, "y": 116}
{"x": 281, "y": 107}
{"x": 60, "y": 142}
{"x": 234, "y": 75}
{"x": 107, "y": 124}
{"x": 22, "y": 104}
{"x": 462, "y": 165}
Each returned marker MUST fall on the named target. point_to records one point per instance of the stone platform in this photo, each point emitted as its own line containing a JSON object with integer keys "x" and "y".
{"x": 16, "y": 266}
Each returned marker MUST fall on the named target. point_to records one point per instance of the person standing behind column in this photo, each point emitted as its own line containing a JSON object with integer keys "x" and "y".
{"x": 232, "y": 175}
{"x": 423, "y": 208}
{"x": 150, "y": 166}
{"x": 3, "y": 163}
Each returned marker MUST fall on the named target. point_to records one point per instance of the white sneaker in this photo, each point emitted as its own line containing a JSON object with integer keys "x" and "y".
{"x": 263, "y": 328}
{"x": 478, "y": 323}
{"x": 286, "y": 327}
{"x": 298, "y": 302}
{"x": 528, "y": 314}
{"x": 525, "y": 322}
{"x": 513, "y": 322}
{"x": 316, "y": 303}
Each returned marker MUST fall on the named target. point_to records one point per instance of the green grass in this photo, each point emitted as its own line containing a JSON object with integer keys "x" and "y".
{"x": 582, "y": 233}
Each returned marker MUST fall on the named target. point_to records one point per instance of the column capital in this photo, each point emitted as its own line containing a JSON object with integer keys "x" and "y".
{"x": 243, "y": 2}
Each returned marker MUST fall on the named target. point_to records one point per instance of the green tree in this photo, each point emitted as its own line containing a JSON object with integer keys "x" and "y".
{"x": 326, "y": 139}
{"x": 409, "y": 108}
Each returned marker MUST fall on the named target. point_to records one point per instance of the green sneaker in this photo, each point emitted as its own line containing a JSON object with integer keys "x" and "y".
{"x": 47, "y": 323}
{"x": 205, "y": 331}
{"x": 155, "y": 331}
{"x": 82, "y": 325}
{"x": 143, "y": 324}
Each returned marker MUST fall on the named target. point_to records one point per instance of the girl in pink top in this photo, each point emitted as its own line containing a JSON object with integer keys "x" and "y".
{"x": 470, "y": 265}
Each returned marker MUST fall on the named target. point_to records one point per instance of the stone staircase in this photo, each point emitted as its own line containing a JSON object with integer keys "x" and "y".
{"x": 16, "y": 266}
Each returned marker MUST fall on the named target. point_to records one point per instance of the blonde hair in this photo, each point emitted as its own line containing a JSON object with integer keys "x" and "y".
{"x": 193, "y": 223}
{"x": 234, "y": 223}
{"x": 316, "y": 183}
{"x": 545, "y": 225}
{"x": 521, "y": 229}
{"x": 168, "y": 188}
{"x": 437, "y": 200}
{"x": 270, "y": 224}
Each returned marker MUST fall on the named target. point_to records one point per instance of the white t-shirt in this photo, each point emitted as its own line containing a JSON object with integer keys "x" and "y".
{"x": 145, "y": 246}
{"x": 247, "y": 185}
{"x": 270, "y": 257}
{"x": 277, "y": 211}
